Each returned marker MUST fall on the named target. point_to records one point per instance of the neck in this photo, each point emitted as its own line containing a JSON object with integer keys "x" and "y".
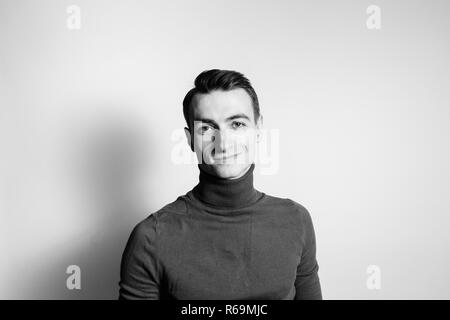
{"x": 226, "y": 193}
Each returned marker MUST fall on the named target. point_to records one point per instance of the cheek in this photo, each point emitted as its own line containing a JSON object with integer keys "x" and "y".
{"x": 202, "y": 140}
{"x": 240, "y": 143}
{"x": 246, "y": 140}
{"x": 203, "y": 144}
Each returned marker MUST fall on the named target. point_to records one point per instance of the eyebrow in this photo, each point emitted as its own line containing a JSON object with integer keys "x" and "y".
{"x": 236, "y": 116}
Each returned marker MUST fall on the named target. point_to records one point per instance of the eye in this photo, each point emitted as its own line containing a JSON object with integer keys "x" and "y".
{"x": 204, "y": 129}
{"x": 238, "y": 124}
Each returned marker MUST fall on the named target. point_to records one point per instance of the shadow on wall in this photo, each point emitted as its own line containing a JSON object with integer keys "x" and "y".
{"x": 111, "y": 160}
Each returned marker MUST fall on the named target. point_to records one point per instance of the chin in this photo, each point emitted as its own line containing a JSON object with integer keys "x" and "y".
{"x": 229, "y": 171}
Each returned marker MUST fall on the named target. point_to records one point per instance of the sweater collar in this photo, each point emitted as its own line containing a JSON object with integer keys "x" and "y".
{"x": 226, "y": 193}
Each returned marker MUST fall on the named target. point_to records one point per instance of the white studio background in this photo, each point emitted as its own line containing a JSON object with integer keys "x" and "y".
{"x": 87, "y": 116}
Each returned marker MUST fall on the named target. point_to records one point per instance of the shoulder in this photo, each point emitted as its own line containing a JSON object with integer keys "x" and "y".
{"x": 144, "y": 231}
{"x": 148, "y": 227}
{"x": 293, "y": 213}
{"x": 306, "y": 226}
{"x": 299, "y": 209}
{"x": 289, "y": 206}
{"x": 302, "y": 213}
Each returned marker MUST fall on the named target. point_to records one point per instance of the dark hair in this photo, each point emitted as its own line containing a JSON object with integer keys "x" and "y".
{"x": 216, "y": 79}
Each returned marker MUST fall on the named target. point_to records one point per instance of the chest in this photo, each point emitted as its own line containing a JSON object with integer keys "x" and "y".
{"x": 245, "y": 260}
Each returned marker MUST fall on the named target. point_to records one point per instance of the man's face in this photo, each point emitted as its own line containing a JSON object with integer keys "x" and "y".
{"x": 224, "y": 132}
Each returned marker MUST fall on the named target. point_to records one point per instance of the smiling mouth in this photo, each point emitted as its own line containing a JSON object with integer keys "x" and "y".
{"x": 226, "y": 158}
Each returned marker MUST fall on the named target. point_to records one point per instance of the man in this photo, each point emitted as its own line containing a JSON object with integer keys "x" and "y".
{"x": 223, "y": 239}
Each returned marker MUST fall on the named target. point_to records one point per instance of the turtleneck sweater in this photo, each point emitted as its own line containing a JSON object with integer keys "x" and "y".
{"x": 223, "y": 240}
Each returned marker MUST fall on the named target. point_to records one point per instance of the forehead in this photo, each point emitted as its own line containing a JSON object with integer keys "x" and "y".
{"x": 218, "y": 104}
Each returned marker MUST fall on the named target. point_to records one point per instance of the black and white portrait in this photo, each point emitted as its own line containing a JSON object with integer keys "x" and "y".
{"x": 224, "y": 150}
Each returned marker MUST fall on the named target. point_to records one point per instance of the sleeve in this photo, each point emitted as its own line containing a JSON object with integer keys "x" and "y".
{"x": 307, "y": 283}
{"x": 139, "y": 267}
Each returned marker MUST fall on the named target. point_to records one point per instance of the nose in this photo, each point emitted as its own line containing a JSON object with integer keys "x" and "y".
{"x": 222, "y": 142}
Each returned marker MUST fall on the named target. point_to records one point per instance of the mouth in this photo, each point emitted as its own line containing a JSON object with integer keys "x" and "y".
{"x": 227, "y": 157}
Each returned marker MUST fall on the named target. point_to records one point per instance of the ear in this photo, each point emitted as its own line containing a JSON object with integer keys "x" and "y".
{"x": 259, "y": 125}
{"x": 189, "y": 138}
